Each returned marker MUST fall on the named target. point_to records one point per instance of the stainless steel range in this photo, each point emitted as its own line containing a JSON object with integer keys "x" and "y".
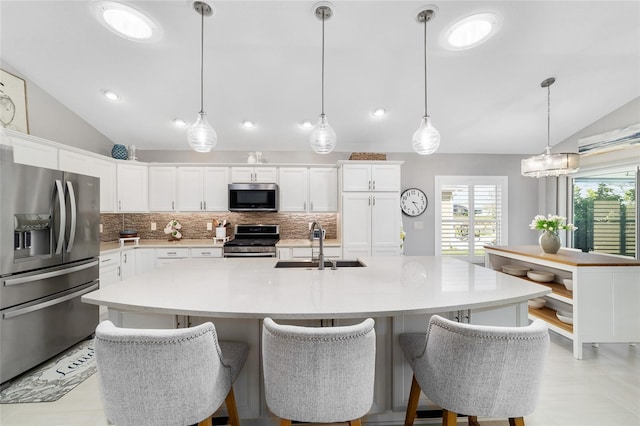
{"x": 253, "y": 241}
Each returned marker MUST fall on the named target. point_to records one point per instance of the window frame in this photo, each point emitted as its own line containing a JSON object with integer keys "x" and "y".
{"x": 440, "y": 181}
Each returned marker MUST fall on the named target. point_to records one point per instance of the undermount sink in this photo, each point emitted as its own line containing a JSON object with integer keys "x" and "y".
{"x": 313, "y": 264}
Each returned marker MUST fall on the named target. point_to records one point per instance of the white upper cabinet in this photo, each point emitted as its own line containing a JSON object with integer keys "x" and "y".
{"x": 371, "y": 177}
{"x": 254, "y": 174}
{"x": 323, "y": 189}
{"x": 305, "y": 189}
{"x": 203, "y": 188}
{"x": 77, "y": 162}
{"x": 162, "y": 189}
{"x": 30, "y": 151}
{"x": 294, "y": 189}
{"x": 133, "y": 187}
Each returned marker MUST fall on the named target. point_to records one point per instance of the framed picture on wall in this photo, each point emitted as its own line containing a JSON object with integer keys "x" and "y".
{"x": 13, "y": 102}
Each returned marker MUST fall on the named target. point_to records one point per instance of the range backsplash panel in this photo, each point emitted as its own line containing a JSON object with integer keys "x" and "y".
{"x": 194, "y": 225}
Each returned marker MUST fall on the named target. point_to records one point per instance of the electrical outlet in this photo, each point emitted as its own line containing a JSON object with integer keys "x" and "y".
{"x": 209, "y": 226}
{"x": 101, "y": 228}
{"x": 418, "y": 225}
{"x": 153, "y": 226}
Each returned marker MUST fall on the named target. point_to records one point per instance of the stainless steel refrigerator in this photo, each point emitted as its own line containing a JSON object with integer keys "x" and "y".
{"x": 49, "y": 248}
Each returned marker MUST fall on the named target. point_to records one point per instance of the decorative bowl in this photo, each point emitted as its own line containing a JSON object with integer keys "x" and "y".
{"x": 568, "y": 283}
{"x": 566, "y": 317}
{"x": 541, "y": 276}
{"x": 536, "y": 303}
{"x": 518, "y": 271}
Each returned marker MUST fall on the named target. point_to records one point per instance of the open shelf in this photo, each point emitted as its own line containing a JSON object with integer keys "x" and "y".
{"x": 549, "y": 316}
{"x": 559, "y": 290}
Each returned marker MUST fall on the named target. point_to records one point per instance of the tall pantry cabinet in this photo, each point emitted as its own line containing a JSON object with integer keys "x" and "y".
{"x": 370, "y": 208}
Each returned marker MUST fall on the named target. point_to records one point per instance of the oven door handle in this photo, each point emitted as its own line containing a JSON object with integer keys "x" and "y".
{"x": 49, "y": 303}
{"x": 250, "y": 254}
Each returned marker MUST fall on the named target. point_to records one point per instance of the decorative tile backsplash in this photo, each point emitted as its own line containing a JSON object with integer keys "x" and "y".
{"x": 194, "y": 225}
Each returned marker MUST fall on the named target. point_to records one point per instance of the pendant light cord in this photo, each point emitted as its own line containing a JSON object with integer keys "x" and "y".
{"x": 548, "y": 117}
{"x": 322, "y": 97}
{"x": 202, "y": 61}
{"x": 426, "y": 114}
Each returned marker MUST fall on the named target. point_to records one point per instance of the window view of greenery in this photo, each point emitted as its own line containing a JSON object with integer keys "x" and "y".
{"x": 471, "y": 218}
{"x": 604, "y": 210}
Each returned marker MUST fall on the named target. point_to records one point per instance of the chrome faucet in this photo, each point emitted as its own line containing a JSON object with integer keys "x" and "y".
{"x": 321, "y": 254}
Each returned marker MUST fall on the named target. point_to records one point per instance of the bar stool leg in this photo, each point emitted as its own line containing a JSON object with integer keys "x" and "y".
{"x": 412, "y": 405}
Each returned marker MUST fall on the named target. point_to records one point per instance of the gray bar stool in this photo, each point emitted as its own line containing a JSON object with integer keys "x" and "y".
{"x": 476, "y": 370}
{"x": 166, "y": 377}
{"x": 319, "y": 374}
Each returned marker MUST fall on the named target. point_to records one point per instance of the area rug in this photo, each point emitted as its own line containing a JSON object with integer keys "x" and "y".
{"x": 53, "y": 379}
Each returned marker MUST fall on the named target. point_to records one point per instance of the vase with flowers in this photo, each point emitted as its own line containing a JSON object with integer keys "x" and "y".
{"x": 550, "y": 225}
{"x": 173, "y": 229}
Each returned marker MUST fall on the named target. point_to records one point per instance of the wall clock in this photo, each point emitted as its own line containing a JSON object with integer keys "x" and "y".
{"x": 413, "y": 202}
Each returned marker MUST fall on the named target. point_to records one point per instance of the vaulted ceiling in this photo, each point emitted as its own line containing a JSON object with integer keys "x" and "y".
{"x": 262, "y": 63}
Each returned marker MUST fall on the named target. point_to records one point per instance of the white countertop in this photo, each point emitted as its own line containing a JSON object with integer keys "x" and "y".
{"x": 253, "y": 288}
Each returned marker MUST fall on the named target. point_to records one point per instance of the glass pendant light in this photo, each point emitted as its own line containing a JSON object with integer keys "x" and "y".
{"x": 426, "y": 139}
{"x": 201, "y": 136}
{"x": 549, "y": 164}
{"x": 323, "y": 137}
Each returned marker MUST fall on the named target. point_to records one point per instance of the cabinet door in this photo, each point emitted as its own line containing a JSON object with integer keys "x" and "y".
{"x": 127, "y": 264}
{"x": 106, "y": 171}
{"x": 145, "y": 260}
{"x": 323, "y": 189}
{"x": 284, "y": 253}
{"x": 265, "y": 174}
{"x": 356, "y": 177}
{"x": 190, "y": 189}
{"x": 216, "y": 189}
{"x": 385, "y": 177}
{"x": 241, "y": 174}
{"x": 34, "y": 153}
{"x": 162, "y": 189}
{"x": 356, "y": 222}
{"x": 132, "y": 187}
{"x": 76, "y": 162}
{"x": 385, "y": 223}
{"x": 293, "y": 189}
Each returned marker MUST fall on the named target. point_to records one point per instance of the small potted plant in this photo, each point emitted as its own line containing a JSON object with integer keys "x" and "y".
{"x": 550, "y": 224}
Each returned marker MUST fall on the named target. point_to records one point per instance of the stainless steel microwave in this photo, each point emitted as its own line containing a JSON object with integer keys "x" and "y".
{"x": 253, "y": 197}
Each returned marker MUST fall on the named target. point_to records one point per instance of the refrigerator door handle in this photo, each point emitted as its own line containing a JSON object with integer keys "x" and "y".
{"x": 49, "y": 303}
{"x": 73, "y": 209}
{"x": 59, "y": 272}
{"x": 63, "y": 215}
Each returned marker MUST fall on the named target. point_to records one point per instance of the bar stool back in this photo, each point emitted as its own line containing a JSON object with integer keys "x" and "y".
{"x": 166, "y": 377}
{"x": 476, "y": 370}
{"x": 319, "y": 374}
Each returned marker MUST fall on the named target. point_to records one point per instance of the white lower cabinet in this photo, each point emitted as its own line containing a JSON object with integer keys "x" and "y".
{"x": 127, "y": 264}
{"x": 165, "y": 256}
{"x": 604, "y": 304}
{"x": 145, "y": 260}
{"x": 289, "y": 253}
{"x": 109, "y": 273}
{"x": 206, "y": 252}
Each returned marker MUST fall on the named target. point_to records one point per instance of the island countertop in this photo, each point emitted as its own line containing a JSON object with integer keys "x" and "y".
{"x": 253, "y": 288}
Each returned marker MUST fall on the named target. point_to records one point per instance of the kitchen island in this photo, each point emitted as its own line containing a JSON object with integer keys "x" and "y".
{"x": 399, "y": 292}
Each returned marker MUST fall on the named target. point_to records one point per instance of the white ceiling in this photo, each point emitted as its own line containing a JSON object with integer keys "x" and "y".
{"x": 262, "y": 62}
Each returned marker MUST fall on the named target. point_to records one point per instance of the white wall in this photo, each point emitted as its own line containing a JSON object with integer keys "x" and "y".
{"x": 420, "y": 172}
{"x": 49, "y": 119}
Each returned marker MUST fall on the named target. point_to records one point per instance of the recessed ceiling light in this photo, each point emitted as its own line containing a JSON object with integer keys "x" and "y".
{"x": 248, "y": 124}
{"x": 179, "y": 122}
{"x": 112, "y": 96}
{"x": 126, "y": 21}
{"x": 306, "y": 125}
{"x": 471, "y": 31}
{"x": 379, "y": 112}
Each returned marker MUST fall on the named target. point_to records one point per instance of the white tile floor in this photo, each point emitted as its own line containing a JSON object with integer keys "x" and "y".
{"x": 603, "y": 389}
